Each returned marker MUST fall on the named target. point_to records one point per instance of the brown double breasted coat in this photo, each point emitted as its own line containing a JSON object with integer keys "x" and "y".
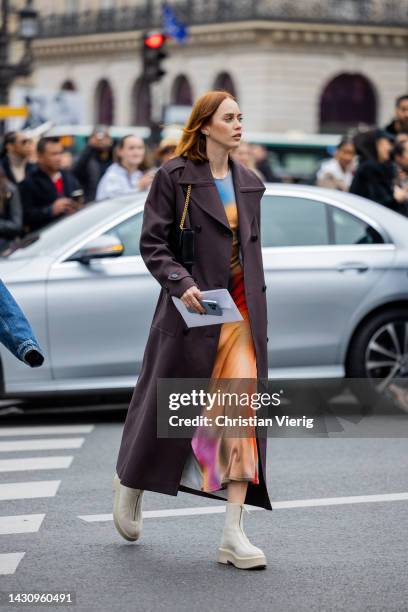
{"x": 173, "y": 351}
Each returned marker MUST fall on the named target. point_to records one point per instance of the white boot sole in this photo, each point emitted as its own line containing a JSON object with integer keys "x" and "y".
{"x": 227, "y": 556}
{"x": 123, "y": 533}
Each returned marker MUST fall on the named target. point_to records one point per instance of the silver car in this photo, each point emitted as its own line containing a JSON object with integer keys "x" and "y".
{"x": 336, "y": 269}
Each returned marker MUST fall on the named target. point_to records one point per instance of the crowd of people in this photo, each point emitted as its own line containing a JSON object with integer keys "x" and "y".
{"x": 374, "y": 163}
{"x": 41, "y": 183}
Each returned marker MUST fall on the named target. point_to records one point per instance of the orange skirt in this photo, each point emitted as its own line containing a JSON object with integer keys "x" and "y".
{"x": 223, "y": 458}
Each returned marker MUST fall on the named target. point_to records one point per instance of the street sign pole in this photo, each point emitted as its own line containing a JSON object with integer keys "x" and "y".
{"x": 156, "y": 96}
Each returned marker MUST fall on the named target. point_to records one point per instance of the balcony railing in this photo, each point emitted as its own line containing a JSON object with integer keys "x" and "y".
{"x": 200, "y": 12}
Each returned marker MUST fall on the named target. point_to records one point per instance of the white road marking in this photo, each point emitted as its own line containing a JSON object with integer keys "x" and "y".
{"x": 9, "y": 562}
{"x": 46, "y": 430}
{"x": 35, "y": 463}
{"x": 31, "y": 523}
{"x": 96, "y": 518}
{"x": 29, "y": 490}
{"x": 25, "y": 523}
{"x": 43, "y": 444}
{"x": 294, "y": 503}
{"x": 335, "y": 501}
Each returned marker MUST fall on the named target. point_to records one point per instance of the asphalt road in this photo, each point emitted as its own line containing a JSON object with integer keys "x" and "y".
{"x": 344, "y": 551}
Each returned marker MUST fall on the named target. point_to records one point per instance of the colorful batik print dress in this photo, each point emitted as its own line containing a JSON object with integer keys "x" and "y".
{"x": 216, "y": 461}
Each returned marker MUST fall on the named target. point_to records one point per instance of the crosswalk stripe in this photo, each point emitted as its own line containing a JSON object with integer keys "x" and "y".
{"x": 24, "y": 523}
{"x": 29, "y": 490}
{"x": 293, "y": 503}
{"x": 335, "y": 501}
{"x": 31, "y": 523}
{"x": 9, "y": 562}
{"x": 35, "y": 463}
{"x": 42, "y": 444}
{"x": 99, "y": 518}
{"x": 46, "y": 430}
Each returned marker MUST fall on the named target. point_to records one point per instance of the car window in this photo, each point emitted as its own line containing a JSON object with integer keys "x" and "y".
{"x": 129, "y": 233}
{"x": 292, "y": 221}
{"x": 58, "y": 235}
{"x": 348, "y": 229}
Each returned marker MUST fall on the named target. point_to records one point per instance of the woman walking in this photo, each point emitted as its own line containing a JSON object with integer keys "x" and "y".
{"x": 224, "y": 212}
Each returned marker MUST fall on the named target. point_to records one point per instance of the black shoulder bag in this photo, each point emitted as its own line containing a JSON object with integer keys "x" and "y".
{"x": 186, "y": 237}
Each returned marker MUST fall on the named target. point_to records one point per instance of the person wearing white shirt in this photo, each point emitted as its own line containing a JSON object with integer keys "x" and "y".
{"x": 337, "y": 172}
{"x": 125, "y": 175}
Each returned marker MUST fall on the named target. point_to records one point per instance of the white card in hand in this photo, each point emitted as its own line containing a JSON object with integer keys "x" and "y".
{"x": 230, "y": 312}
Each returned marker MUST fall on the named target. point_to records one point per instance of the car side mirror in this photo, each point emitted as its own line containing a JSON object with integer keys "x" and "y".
{"x": 107, "y": 245}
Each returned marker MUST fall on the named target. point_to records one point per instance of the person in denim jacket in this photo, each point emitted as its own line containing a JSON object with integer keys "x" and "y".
{"x": 15, "y": 331}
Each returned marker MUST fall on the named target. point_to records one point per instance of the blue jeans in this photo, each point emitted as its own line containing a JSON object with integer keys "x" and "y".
{"x": 15, "y": 331}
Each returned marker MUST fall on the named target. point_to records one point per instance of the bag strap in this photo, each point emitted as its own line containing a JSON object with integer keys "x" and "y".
{"x": 183, "y": 217}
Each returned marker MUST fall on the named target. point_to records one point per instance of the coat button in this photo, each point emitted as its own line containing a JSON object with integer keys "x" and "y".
{"x": 198, "y": 228}
{"x": 254, "y": 238}
{"x": 226, "y": 233}
{"x": 264, "y": 288}
{"x": 267, "y": 339}
{"x": 186, "y": 331}
{"x": 173, "y": 276}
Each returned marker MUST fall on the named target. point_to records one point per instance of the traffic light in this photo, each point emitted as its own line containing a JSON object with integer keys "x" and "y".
{"x": 154, "y": 52}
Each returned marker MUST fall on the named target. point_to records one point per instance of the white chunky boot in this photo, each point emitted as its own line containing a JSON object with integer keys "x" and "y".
{"x": 127, "y": 510}
{"x": 235, "y": 547}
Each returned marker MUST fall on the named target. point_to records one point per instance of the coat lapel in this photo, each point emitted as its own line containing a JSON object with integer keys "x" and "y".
{"x": 205, "y": 194}
{"x": 248, "y": 194}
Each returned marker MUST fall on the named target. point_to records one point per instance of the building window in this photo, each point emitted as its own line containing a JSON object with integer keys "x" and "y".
{"x": 181, "y": 93}
{"x": 224, "y": 82}
{"x": 347, "y": 101}
{"x": 104, "y": 103}
{"x": 141, "y": 103}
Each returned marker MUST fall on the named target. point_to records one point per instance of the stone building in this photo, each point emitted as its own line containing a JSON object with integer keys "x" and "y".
{"x": 315, "y": 65}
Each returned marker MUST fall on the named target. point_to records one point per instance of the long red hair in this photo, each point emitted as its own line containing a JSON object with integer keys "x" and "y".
{"x": 193, "y": 143}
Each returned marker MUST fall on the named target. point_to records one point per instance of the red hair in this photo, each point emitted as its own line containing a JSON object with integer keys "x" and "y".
{"x": 193, "y": 142}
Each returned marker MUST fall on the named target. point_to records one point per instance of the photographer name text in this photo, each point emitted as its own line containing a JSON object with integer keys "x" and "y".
{"x": 240, "y": 421}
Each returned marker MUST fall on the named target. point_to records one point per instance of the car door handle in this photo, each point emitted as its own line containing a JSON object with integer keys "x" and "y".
{"x": 356, "y": 266}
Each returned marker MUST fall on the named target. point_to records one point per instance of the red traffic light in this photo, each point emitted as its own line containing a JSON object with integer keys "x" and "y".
{"x": 153, "y": 53}
{"x": 155, "y": 41}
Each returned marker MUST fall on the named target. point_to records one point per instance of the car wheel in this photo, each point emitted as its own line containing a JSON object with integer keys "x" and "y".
{"x": 379, "y": 353}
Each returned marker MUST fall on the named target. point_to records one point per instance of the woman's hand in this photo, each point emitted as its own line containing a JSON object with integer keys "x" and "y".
{"x": 190, "y": 299}
{"x": 400, "y": 194}
{"x": 145, "y": 181}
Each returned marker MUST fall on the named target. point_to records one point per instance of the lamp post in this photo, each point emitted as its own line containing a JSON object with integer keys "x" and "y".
{"x": 27, "y": 30}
